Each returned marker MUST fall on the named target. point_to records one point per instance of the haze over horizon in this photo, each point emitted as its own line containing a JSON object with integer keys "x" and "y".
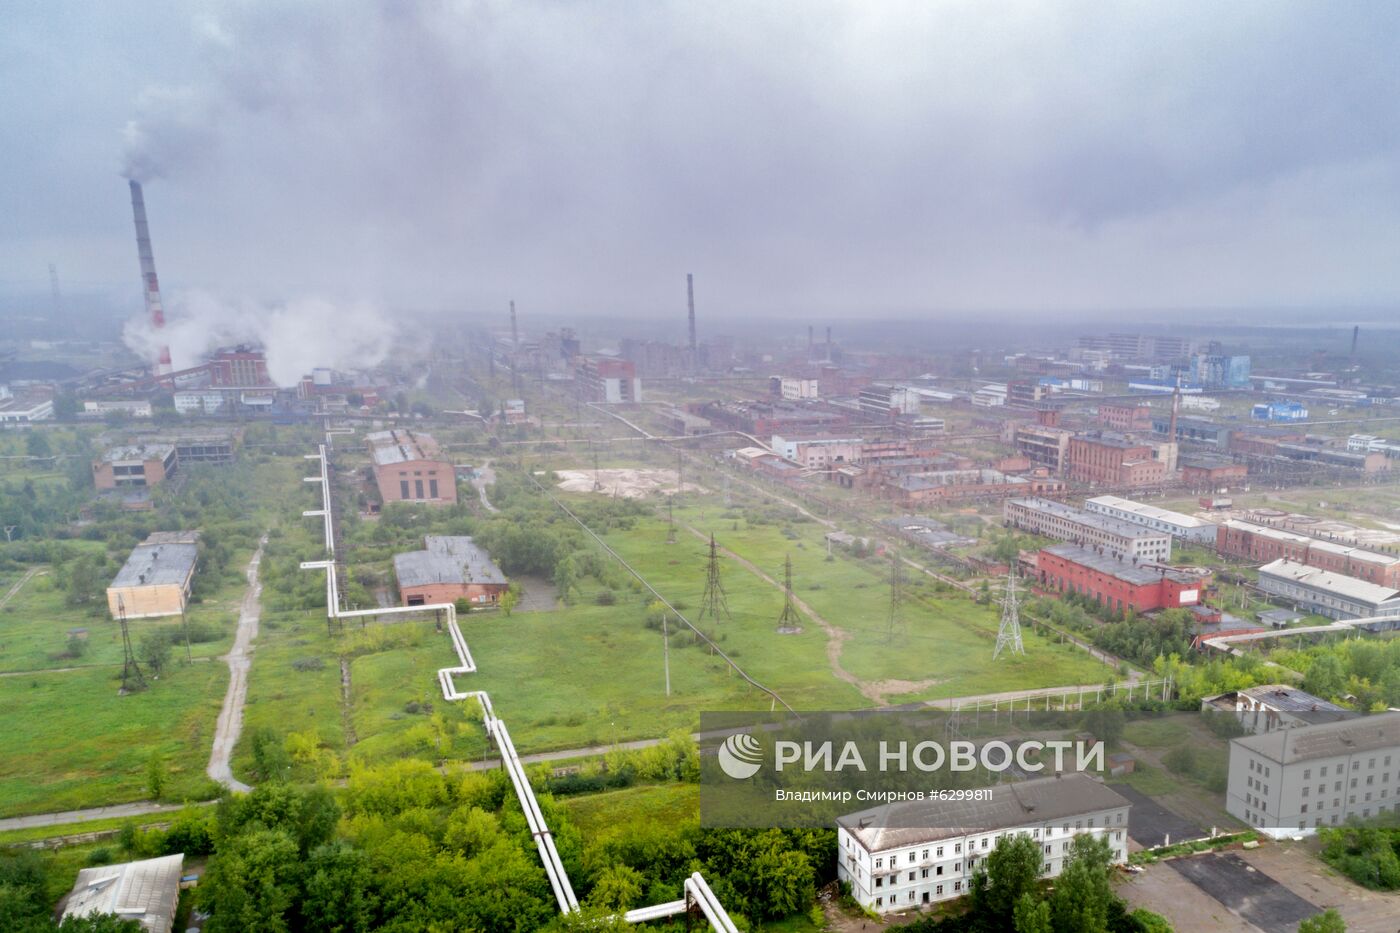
{"x": 804, "y": 160}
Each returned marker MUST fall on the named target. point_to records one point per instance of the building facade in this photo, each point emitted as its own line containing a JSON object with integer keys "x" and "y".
{"x": 610, "y": 382}
{"x": 1186, "y": 527}
{"x": 1043, "y": 445}
{"x": 1262, "y": 543}
{"x": 449, "y": 568}
{"x": 1325, "y": 593}
{"x": 964, "y": 485}
{"x": 134, "y": 466}
{"x": 1114, "y": 460}
{"x": 1125, "y": 416}
{"x": 1203, "y": 472}
{"x": 1117, "y": 585}
{"x": 893, "y": 868}
{"x": 1116, "y": 538}
{"x": 1290, "y": 782}
{"x": 156, "y": 578}
{"x": 410, "y": 467}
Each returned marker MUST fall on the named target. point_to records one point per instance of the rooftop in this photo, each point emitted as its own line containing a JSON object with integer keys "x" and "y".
{"x": 145, "y": 891}
{"x": 1328, "y": 740}
{"x": 1290, "y": 699}
{"x": 447, "y": 559}
{"x": 1338, "y": 583}
{"x": 159, "y": 562}
{"x": 1113, "y": 525}
{"x": 913, "y": 481}
{"x": 402, "y": 446}
{"x": 137, "y": 452}
{"x": 1120, "y": 570}
{"x": 1150, "y": 511}
{"x": 1024, "y": 803}
{"x": 1121, "y": 441}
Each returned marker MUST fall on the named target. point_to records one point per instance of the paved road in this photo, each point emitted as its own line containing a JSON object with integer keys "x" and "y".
{"x": 87, "y": 816}
{"x": 239, "y": 661}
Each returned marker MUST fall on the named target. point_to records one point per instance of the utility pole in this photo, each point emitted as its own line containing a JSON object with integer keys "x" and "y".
{"x": 666, "y": 652}
{"x": 185, "y": 626}
{"x": 789, "y": 622}
{"x": 132, "y": 678}
{"x": 714, "y": 604}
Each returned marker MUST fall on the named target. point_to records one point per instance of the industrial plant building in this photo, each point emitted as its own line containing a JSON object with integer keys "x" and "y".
{"x": 1290, "y": 782}
{"x": 1114, "y": 460}
{"x": 1125, "y": 416}
{"x": 134, "y": 466}
{"x": 156, "y": 578}
{"x": 1043, "y": 445}
{"x": 1116, "y": 584}
{"x": 963, "y": 486}
{"x": 1326, "y": 593}
{"x": 1262, "y": 543}
{"x": 147, "y": 892}
{"x": 608, "y": 381}
{"x": 1115, "y": 537}
{"x": 409, "y": 467}
{"x": 1186, "y": 527}
{"x": 449, "y": 568}
{"x": 906, "y": 855}
{"x": 1207, "y": 472}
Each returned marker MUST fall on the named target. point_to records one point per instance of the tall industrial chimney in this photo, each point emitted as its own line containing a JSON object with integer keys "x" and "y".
{"x": 514, "y": 334}
{"x": 1355, "y": 334}
{"x": 828, "y": 343}
{"x": 149, "y": 283}
{"x": 811, "y": 342}
{"x": 690, "y": 297}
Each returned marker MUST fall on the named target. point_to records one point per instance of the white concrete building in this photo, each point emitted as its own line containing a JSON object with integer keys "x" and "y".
{"x": 131, "y": 408}
{"x": 25, "y": 409}
{"x": 907, "y": 855}
{"x": 1334, "y": 595}
{"x": 199, "y": 402}
{"x": 1288, "y": 782}
{"x": 1113, "y": 536}
{"x": 1177, "y": 524}
{"x": 1275, "y": 706}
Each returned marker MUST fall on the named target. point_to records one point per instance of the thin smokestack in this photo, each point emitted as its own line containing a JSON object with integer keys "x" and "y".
{"x": 828, "y": 343}
{"x": 811, "y": 341}
{"x": 150, "y": 285}
{"x": 514, "y": 334}
{"x": 1355, "y": 335}
{"x": 690, "y": 298}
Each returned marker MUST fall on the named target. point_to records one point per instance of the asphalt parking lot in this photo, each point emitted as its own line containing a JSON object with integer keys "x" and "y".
{"x": 1150, "y": 824}
{"x": 1246, "y": 891}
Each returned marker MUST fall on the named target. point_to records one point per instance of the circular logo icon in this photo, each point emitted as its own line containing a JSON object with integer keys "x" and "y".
{"x": 740, "y": 756}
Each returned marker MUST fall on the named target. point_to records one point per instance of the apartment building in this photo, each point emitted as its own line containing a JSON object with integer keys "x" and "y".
{"x": 1117, "y": 538}
{"x": 410, "y": 467}
{"x": 906, "y": 855}
{"x": 1117, "y": 584}
{"x": 1325, "y": 593}
{"x": 1178, "y": 525}
{"x": 1289, "y": 782}
{"x": 1263, "y": 543}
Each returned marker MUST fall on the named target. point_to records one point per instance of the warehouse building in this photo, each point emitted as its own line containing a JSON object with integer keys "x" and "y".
{"x": 1114, "y": 460}
{"x": 1290, "y": 782}
{"x": 147, "y": 892}
{"x": 1326, "y": 593}
{"x": 1275, "y": 706}
{"x": 409, "y": 467}
{"x": 156, "y": 578}
{"x": 1186, "y": 527}
{"x": 1264, "y": 543}
{"x": 906, "y": 855}
{"x": 964, "y": 485}
{"x": 1211, "y": 472}
{"x": 449, "y": 568}
{"x": 1117, "y": 538}
{"x": 1117, "y": 584}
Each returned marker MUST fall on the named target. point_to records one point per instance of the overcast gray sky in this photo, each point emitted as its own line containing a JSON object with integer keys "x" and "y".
{"x": 801, "y": 158}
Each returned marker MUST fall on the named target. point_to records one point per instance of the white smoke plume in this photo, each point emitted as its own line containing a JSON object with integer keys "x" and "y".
{"x": 172, "y": 127}
{"x": 298, "y": 335}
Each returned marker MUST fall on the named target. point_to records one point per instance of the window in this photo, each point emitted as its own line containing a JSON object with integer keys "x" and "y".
{"x": 403, "y": 489}
{"x": 1047, "y": 850}
{"x": 1323, "y": 772}
{"x": 879, "y": 901}
{"x": 1307, "y": 774}
{"x": 879, "y": 881}
{"x": 925, "y": 855}
{"x": 923, "y": 873}
{"x": 432, "y": 489}
{"x": 939, "y": 851}
{"x": 879, "y": 863}
{"x": 418, "y": 489}
{"x": 957, "y": 885}
{"x": 1303, "y": 809}
{"x": 1305, "y": 791}
{"x": 957, "y": 848}
{"x": 938, "y": 890}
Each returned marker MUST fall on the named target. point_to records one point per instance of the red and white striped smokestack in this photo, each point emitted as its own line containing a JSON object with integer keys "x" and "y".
{"x": 150, "y": 285}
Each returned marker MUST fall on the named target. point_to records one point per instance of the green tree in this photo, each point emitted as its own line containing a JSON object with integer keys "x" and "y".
{"x": 154, "y": 650}
{"x": 508, "y": 600}
{"x": 1326, "y": 677}
{"x": 1082, "y": 893}
{"x": 617, "y": 887}
{"x": 1032, "y": 915}
{"x": 99, "y": 923}
{"x": 157, "y": 775}
{"x": 1013, "y": 868}
{"x": 253, "y": 882}
{"x": 36, "y": 444}
{"x": 1329, "y": 921}
{"x": 339, "y": 894}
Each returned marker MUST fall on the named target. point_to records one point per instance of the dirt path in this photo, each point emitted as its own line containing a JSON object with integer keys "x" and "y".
{"x": 239, "y": 661}
{"x": 482, "y": 477}
{"x": 347, "y": 703}
{"x": 29, "y": 574}
{"x": 835, "y": 635}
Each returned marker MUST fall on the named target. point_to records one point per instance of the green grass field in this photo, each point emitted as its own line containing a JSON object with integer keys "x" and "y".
{"x": 660, "y": 804}
{"x": 72, "y": 742}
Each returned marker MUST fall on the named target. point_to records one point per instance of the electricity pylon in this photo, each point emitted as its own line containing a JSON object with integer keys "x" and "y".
{"x": 132, "y": 678}
{"x": 714, "y": 605}
{"x": 1009, "y": 633}
{"x": 896, "y": 619}
{"x": 789, "y": 618}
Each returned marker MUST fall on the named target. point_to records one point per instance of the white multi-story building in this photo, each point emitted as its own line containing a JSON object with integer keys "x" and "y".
{"x": 22, "y": 409}
{"x": 1114, "y": 536}
{"x": 1334, "y": 595}
{"x": 131, "y": 408}
{"x": 906, "y": 855}
{"x": 1289, "y": 782}
{"x": 1177, "y": 524}
{"x": 199, "y": 402}
{"x": 1275, "y": 706}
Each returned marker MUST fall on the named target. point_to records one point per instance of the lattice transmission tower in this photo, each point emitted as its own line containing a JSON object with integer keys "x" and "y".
{"x": 1009, "y": 633}
{"x": 789, "y": 620}
{"x": 896, "y": 616}
{"x": 714, "y": 606}
{"x": 132, "y": 678}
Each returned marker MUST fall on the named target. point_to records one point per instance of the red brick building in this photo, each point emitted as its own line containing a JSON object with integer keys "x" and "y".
{"x": 1119, "y": 585}
{"x": 448, "y": 569}
{"x": 1125, "y": 416}
{"x": 1211, "y": 472}
{"x": 1262, "y": 544}
{"x": 138, "y": 466}
{"x": 409, "y": 467}
{"x": 1113, "y": 460}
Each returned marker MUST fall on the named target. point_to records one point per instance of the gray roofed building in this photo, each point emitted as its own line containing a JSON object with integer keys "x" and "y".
{"x": 448, "y": 568}
{"x": 147, "y": 891}
{"x": 1327, "y": 740}
{"x": 157, "y": 564}
{"x": 402, "y": 446}
{"x": 1334, "y": 595}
